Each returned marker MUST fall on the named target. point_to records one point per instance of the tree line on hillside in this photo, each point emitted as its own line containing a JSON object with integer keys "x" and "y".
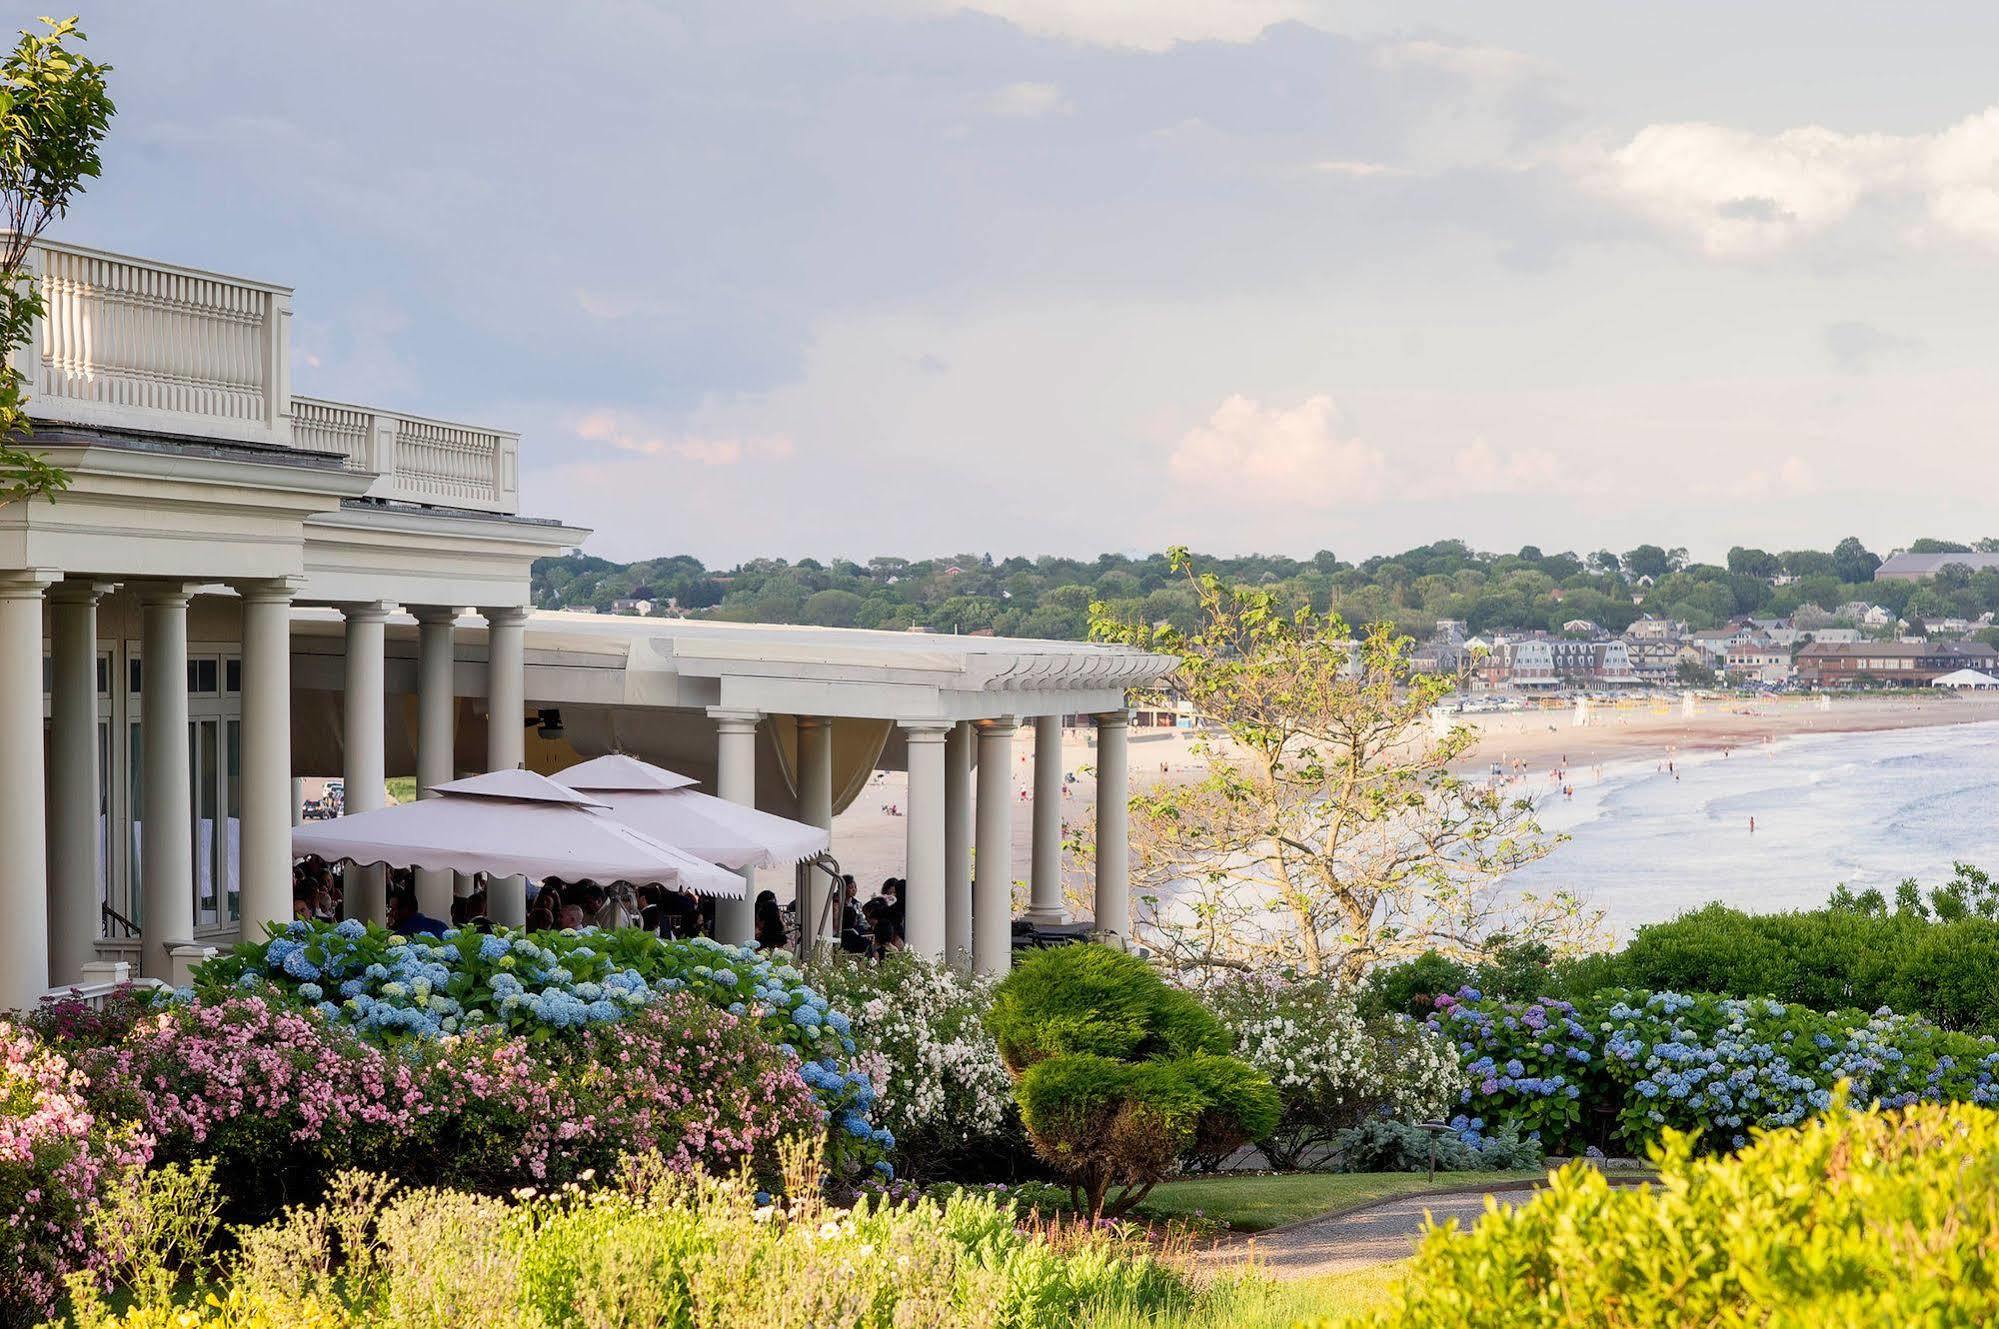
{"x": 1051, "y": 597}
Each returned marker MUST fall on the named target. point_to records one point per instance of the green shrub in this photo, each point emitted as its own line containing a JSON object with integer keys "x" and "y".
{"x": 1397, "y": 1146}
{"x": 1882, "y": 1218}
{"x": 1846, "y": 954}
{"x": 1119, "y": 1075}
{"x": 1093, "y": 999}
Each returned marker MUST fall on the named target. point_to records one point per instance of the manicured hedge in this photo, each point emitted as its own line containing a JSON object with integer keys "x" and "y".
{"x": 1852, "y": 953}
{"x": 1882, "y": 1218}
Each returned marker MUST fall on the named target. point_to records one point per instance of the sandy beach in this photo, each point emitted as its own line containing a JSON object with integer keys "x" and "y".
{"x": 869, "y": 836}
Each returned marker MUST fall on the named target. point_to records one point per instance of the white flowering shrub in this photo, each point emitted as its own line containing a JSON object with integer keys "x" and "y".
{"x": 1333, "y": 1067}
{"x": 920, "y": 1034}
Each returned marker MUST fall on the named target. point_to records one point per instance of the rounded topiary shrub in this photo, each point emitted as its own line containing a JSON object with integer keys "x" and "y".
{"x": 1120, "y": 1076}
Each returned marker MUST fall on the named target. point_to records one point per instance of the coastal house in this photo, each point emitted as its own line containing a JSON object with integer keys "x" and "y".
{"x": 1649, "y": 627}
{"x": 1653, "y": 661}
{"x": 244, "y": 585}
{"x": 1528, "y": 662}
{"x": 1759, "y": 660}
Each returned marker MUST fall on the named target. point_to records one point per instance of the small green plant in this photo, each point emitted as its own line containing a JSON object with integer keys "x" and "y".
{"x": 1120, "y": 1076}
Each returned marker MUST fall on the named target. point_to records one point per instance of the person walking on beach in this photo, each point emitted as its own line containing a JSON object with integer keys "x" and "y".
{"x": 1752, "y": 825}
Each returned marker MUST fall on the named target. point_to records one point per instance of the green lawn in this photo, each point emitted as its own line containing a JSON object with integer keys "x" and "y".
{"x": 1254, "y": 1203}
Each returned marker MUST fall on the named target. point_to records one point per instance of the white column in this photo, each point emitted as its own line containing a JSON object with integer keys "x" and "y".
{"x": 24, "y": 882}
{"x": 364, "y": 736}
{"x": 436, "y": 740}
{"x": 736, "y": 780}
{"x": 75, "y": 846}
{"x": 265, "y": 858}
{"x": 166, "y": 845}
{"x": 992, "y": 882}
{"x": 923, "y": 889}
{"x": 815, "y": 808}
{"x": 1113, "y": 828}
{"x": 506, "y": 736}
{"x": 958, "y": 845}
{"x": 1045, "y": 903}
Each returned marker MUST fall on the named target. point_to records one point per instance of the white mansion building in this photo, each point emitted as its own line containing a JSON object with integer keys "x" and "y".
{"x": 243, "y": 586}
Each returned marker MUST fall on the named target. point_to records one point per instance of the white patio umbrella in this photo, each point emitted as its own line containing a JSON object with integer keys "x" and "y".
{"x": 507, "y": 824}
{"x": 666, "y": 807}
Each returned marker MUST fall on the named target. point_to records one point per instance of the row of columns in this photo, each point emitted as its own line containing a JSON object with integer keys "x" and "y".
{"x": 958, "y": 901}
{"x": 50, "y": 845}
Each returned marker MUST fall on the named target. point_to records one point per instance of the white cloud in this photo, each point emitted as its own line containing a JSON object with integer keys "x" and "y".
{"x": 1029, "y": 101}
{"x": 1484, "y": 64}
{"x": 1356, "y": 169}
{"x": 1480, "y": 468}
{"x": 626, "y": 435}
{"x": 1737, "y": 194}
{"x": 1152, "y": 25}
{"x": 1793, "y": 475}
{"x": 1296, "y": 457}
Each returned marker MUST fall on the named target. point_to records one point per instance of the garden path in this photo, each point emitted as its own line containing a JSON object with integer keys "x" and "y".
{"x": 1376, "y": 1234}
{"x": 1373, "y": 1234}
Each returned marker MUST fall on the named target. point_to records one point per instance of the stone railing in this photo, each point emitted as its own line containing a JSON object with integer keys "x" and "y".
{"x": 417, "y": 460}
{"x": 128, "y": 343}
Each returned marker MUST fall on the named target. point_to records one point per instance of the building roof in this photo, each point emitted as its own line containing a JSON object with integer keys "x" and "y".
{"x": 1928, "y": 565}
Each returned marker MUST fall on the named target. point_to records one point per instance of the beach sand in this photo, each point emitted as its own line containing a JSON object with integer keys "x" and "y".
{"x": 869, "y": 841}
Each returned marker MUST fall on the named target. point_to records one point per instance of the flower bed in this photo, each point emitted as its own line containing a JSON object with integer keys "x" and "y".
{"x": 550, "y": 985}
{"x": 57, "y": 1161}
{"x": 922, "y": 1039}
{"x": 280, "y": 1098}
{"x": 1624, "y": 1066}
{"x": 1331, "y": 1067}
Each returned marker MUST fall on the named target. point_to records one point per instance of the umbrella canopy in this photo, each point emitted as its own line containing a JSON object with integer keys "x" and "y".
{"x": 512, "y": 823}
{"x": 666, "y": 807}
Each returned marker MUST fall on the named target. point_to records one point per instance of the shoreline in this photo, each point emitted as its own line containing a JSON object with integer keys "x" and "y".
{"x": 870, "y": 843}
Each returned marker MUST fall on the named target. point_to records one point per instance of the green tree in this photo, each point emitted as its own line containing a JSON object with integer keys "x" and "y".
{"x": 1852, "y": 562}
{"x": 1647, "y": 561}
{"x": 54, "y": 112}
{"x": 1330, "y": 832}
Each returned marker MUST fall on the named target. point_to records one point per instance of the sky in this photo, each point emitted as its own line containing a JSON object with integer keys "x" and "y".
{"x": 916, "y": 277}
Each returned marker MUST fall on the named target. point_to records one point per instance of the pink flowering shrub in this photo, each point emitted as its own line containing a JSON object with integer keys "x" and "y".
{"x": 57, "y": 1161}
{"x": 280, "y": 1098}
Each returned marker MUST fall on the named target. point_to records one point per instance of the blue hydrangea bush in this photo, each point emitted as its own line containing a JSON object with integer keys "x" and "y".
{"x": 548, "y": 985}
{"x": 1625, "y": 1066}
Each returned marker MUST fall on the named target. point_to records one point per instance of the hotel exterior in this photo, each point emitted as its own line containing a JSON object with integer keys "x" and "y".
{"x": 243, "y": 586}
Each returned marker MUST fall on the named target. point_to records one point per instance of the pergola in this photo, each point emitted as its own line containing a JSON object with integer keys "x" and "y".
{"x": 792, "y": 720}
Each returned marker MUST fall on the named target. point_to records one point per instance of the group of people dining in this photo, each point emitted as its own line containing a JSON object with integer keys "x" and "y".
{"x": 871, "y": 927}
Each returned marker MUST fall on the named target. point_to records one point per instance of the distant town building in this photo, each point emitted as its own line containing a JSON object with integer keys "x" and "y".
{"x": 1759, "y": 661}
{"x": 1829, "y": 664}
{"x": 1921, "y": 567}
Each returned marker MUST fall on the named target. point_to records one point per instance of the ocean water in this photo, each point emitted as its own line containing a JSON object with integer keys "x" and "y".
{"x": 1863, "y": 809}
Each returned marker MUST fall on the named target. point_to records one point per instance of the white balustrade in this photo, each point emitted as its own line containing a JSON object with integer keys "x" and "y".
{"x": 425, "y": 461}
{"x": 129, "y": 343}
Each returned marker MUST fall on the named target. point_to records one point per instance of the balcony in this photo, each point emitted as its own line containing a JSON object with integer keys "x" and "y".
{"x": 128, "y": 343}
{"x": 414, "y": 459}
